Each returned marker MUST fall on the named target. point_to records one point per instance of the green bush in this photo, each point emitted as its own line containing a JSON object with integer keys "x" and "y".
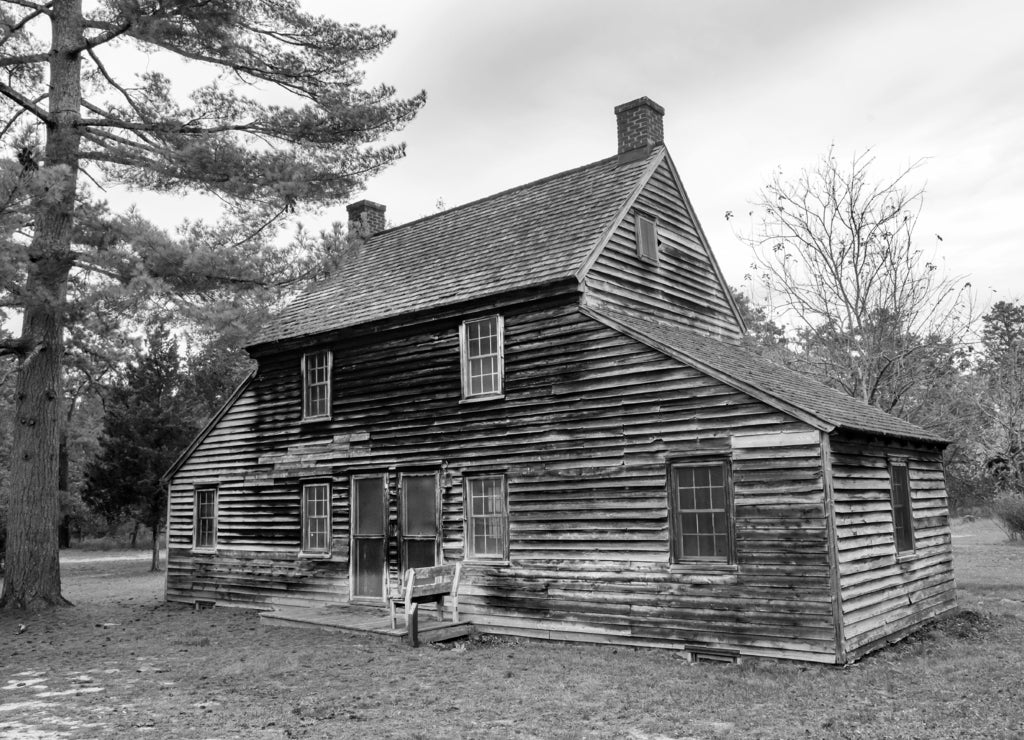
{"x": 1009, "y": 512}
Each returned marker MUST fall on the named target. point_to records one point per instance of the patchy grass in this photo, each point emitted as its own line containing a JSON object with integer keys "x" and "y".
{"x": 123, "y": 664}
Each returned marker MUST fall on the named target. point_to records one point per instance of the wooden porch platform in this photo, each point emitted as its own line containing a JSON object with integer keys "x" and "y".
{"x": 360, "y": 618}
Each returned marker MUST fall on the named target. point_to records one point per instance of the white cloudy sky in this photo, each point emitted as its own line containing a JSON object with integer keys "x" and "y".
{"x": 520, "y": 89}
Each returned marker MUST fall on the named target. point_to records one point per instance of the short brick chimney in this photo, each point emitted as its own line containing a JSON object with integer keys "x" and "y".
{"x": 366, "y": 218}
{"x": 640, "y": 128}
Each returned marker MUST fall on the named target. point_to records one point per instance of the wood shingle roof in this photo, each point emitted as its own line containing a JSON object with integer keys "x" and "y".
{"x": 786, "y": 389}
{"x": 528, "y": 236}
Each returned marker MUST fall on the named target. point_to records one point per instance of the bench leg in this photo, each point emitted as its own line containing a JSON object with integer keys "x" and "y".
{"x": 412, "y": 618}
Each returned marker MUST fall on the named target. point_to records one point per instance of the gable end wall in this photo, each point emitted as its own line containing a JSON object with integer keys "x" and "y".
{"x": 682, "y": 287}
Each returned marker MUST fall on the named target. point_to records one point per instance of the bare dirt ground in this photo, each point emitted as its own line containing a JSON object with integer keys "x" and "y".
{"x": 121, "y": 663}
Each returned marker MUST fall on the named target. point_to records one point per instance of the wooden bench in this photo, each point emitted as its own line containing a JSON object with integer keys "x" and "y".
{"x": 422, "y": 585}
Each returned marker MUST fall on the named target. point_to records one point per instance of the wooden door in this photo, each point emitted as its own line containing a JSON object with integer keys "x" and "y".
{"x": 368, "y": 567}
{"x": 419, "y": 517}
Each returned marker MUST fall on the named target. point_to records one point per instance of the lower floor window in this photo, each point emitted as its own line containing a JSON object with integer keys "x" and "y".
{"x": 902, "y": 514}
{"x": 487, "y": 517}
{"x": 700, "y": 512}
{"x": 316, "y": 518}
{"x": 205, "y": 535}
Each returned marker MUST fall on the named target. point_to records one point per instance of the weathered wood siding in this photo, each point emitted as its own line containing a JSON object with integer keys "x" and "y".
{"x": 884, "y": 595}
{"x": 589, "y": 419}
{"x": 683, "y": 286}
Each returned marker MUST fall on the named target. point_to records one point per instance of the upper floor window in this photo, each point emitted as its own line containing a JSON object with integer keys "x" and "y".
{"x": 483, "y": 357}
{"x": 316, "y": 518}
{"x": 902, "y": 514}
{"x": 646, "y": 237}
{"x": 316, "y": 385}
{"x": 700, "y": 504}
{"x": 205, "y": 534}
{"x": 486, "y": 517}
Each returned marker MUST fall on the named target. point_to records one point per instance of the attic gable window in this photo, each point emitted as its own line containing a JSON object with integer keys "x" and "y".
{"x": 483, "y": 357}
{"x": 646, "y": 237}
{"x": 316, "y": 385}
{"x": 902, "y": 514}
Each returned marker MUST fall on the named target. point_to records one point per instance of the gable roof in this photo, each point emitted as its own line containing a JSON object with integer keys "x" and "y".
{"x": 787, "y": 390}
{"x": 532, "y": 235}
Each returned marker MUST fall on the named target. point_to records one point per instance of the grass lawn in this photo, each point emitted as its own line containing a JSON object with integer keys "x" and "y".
{"x": 123, "y": 664}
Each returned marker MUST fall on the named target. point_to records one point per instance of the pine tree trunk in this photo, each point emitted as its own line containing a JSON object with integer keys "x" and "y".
{"x": 32, "y": 579}
{"x": 155, "y": 566}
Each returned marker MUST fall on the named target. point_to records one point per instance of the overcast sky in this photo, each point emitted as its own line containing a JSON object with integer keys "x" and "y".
{"x": 521, "y": 89}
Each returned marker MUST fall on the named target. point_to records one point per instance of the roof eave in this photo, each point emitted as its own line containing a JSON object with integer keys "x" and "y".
{"x": 567, "y": 283}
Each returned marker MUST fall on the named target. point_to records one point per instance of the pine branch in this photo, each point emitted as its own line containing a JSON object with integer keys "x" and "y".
{"x": 41, "y": 7}
{"x": 21, "y": 348}
{"x": 9, "y": 92}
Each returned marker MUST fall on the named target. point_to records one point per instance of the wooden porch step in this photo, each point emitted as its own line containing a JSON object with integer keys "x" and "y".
{"x": 342, "y": 619}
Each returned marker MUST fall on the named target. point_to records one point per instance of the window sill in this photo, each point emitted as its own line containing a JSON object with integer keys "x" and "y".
{"x": 204, "y": 550}
{"x": 315, "y": 555}
{"x": 704, "y": 573}
{"x": 310, "y": 419}
{"x": 907, "y": 556}
{"x": 468, "y": 560}
{"x": 489, "y": 397}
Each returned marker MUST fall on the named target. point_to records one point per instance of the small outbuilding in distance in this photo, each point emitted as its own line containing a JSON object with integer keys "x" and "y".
{"x": 548, "y": 385}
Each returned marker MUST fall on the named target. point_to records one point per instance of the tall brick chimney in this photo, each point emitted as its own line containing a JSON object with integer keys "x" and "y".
{"x": 366, "y": 218}
{"x": 640, "y": 128}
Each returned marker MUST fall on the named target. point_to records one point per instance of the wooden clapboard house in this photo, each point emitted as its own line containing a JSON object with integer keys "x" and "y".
{"x": 547, "y": 385}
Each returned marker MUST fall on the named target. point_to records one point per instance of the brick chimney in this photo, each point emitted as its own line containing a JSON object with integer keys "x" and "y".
{"x": 366, "y": 218}
{"x": 640, "y": 128}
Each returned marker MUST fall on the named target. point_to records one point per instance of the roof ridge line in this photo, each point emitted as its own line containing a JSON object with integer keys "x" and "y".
{"x": 492, "y": 196}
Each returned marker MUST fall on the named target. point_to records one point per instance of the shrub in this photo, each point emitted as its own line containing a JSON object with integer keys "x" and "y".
{"x": 1009, "y": 513}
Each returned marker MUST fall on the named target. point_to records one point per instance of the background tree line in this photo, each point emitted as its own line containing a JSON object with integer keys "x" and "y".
{"x": 842, "y": 287}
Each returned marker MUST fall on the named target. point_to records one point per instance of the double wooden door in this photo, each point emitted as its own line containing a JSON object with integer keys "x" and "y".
{"x": 404, "y": 536}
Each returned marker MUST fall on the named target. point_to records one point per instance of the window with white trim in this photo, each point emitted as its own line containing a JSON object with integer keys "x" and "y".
{"x": 486, "y": 517}
{"x": 483, "y": 357}
{"x": 316, "y": 518}
{"x": 205, "y": 532}
{"x": 700, "y": 505}
{"x": 646, "y": 237}
{"x": 316, "y": 384}
{"x": 902, "y": 513}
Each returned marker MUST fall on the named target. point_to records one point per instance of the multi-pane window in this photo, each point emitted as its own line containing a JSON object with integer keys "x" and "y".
{"x": 316, "y": 384}
{"x": 316, "y": 518}
{"x": 486, "y": 517}
{"x": 902, "y": 515}
{"x": 482, "y": 357}
{"x": 206, "y": 517}
{"x": 646, "y": 237}
{"x": 699, "y": 501}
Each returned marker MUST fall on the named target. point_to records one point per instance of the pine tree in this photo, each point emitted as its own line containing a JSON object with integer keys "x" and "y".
{"x": 148, "y": 421}
{"x": 66, "y": 257}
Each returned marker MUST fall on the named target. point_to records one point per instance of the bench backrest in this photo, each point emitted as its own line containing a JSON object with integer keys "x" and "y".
{"x": 439, "y": 579}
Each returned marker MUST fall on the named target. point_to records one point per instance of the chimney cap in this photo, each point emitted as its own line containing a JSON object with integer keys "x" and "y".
{"x": 362, "y": 205}
{"x": 637, "y": 104}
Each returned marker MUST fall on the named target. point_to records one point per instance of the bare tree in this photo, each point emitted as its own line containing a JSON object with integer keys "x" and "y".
{"x": 867, "y": 309}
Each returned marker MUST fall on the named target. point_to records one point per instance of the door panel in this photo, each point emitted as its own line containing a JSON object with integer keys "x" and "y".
{"x": 369, "y": 540}
{"x": 419, "y": 521}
